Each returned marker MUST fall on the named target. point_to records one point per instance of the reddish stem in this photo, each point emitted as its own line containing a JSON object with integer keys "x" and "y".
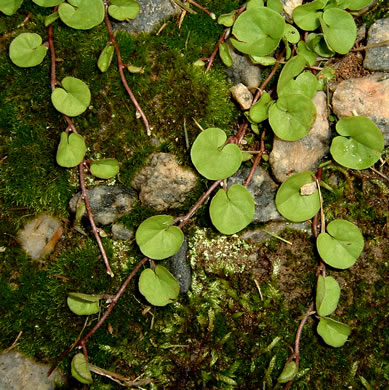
{"x": 215, "y": 50}
{"x": 258, "y": 157}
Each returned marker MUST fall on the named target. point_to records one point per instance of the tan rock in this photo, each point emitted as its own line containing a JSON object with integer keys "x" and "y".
{"x": 242, "y": 95}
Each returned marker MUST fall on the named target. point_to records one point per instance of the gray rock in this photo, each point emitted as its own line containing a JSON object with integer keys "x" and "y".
{"x": 377, "y": 58}
{"x": 367, "y": 96}
{"x": 263, "y": 189}
{"x": 120, "y": 232}
{"x": 108, "y": 203}
{"x": 162, "y": 183}
{"x": 242, "y": 95}
{"x": 288, "y": 158}
{"x": 180, "y": 268}
{"x": 152, "y": 14}
{"x": 18, "y": 372}
{"x": 39, "y": 236}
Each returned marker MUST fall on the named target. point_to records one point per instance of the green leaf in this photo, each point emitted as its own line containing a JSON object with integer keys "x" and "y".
{"x": 354, "y": 5}
{"x": 157, "y": 238}
{"x": 227, "y": 20}
{"x": 105, "y": 58}
{"x": 83, "y": 304}
{"x": 334, "y": 333}
{"x": 307, "y": 17}
{"x": 254, "y": 4}
{"x": 260, "y": 110}
{"x": 233, "y": 210}
{"x": 26, "y": 50}
{"x": 50, "y": 19}
{"x": 275, "y": 5}
{"x": 104, "y": 169}
{"x": 327, "y": 295}
{"x": 80, "y": 369}
{"x": 265, "y": 61}
{"x": 304, "y": 51}
{"x": 212, "y": 158}
{"x": 9, "y": 7}
{"x": 291, "y": 33}
{"x": 292, "y": 116}
{"x": 360, "y": 144}
{"x": 317, "y": 43}
{"x": 291, "y": 69}
{"x": 305, "y": 84}
{"x": 225, "y": 54}
{"x": 339, "y": 30}
{"x": 291, "y": 204}
{"x": 288, "y": 373}
{"x": 258, "y": 31}
{"x": 82, "y": 14}
{"x": 48, "y": 3}
{"x": 73, "y": 99}
{"x": 71, "y": 150}
{"x": 342, "y": 245}
{"x": 123, "y": 9}
{"x": 159, "y": 287}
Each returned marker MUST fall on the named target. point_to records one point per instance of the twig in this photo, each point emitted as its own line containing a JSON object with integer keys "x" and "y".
{"x": 14, "y": 344}
{"x": 379, "y": 173}
{"x": 211, "y": 14}
{"x": 215, "y": 50}
{"x": 378, "y": 44}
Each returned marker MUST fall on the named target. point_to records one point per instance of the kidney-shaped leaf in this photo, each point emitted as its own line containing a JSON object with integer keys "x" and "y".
{"x": 291, "y": 204}
{"x": 123, "y": 9}
{"x": 327, "y": 295}
{"x": 73, "y": 99}
{"x": 83, "y": 304}
{"x": 26, "y": 50}
{"x": 307, "y": 16}
{"x": 9, "y": 7}
{"x": 71, "y": 150}
{"x": 292, "y": 116}
{"x": 363, "y": 147}
{"x": 233, "y": 210}
{"x": 334, "y": 333}
{"x": 258, "y": 31}
{"x": 157, "y": 238}
{"x": 260, "y": 110}
{"x": 342, "y": 245}
{"x": 288, "y": 373}
{"x": 48, "y": 3}
{"x": 80, "y": 369}
{"x": 212, "y": 158}
{"x": 159, "y": 287}
{"x": 104, "y": 169}
{"x": 82, "y": 14}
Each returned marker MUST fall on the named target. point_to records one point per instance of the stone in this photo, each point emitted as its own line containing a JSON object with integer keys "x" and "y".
{"x": 289, "y": 6}
{"x": 288, "y": 158}
{"x": 39, "y": 236}
{"x": 108, "y": 203}
{"x": 377, "y": 58}
{"x": 163, "y": 183}
{"x": 152, "y": 14}
{"x": 120, "y": 232}
{"x": 18, "y": 372}
{"x": 263, "y": 189}
{"x": 242, "y": 95}
{"x": 366, "y": 96}
{"x": 179, "y": 266}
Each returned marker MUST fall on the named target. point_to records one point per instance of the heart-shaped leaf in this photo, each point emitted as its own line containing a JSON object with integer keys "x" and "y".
{"x": 327, "y": 295}
{"x": 123, "y": 9}
{"x": 26, "y": 50}
{"x": 212, "y": 158}
{"x": 288, "y": 373}
{"x": 9, "y": 7}
{"x": 48, "y": 3}
{"x": 83, "y": 304}
{"x": 157, "y": 238}
{"x": 292, "y": 116}
{"x": 291, "y": 204}
{"x": 73, "y": 99}
{"x": 342, "y": 245}
{"x": 105, "y": 58}
{"x": 225, "y": 54}
{"x": 104, "y": 169}
{"x": 307, "y": 17}
{"x": 260, "y": 110}
{"x": 71, "y": 150}
{"x": 364, "y": 146}
{"x": 305, "y": 84}
{"x": 82, "y": 14}
{"x": 334, "y": 333}
{"x": 233, "y": 210}
{"x": 159, "y": 287}
{"x": 291, "y": 69}
{"x": 258, "y": 31}
{"x": 80, "y": 369}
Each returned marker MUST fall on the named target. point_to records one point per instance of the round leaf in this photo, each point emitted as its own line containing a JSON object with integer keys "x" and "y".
{"x": 9, "y": 7}
{"x": 159, "y": 287}
{"x": 26, "y": 50}
{"x": 73, "y": 99}
{"x": 364, "y": 146}
{"x": 48, "y": 3}
{"x": 307, "y": 17}
{"x": 157, "y": 238}
{"x": 334, "y": 333}
{"x": 71, "y": 150}
{"x": 327, "y": 295}
{"x": 291, "y": 204}
{"x": 342, "y": 245}
{"x": 83, "y": 304}
{"x": 80, "y": 369}
{"x": 212, "y": 158}
{"x": 288, "y": 373}
{"x": 233, "y": 210}
{"x": 105, "y": 57}
{"x": 291, "y": 33}
{"x": 260, "y": 110}
{"x": 292, "y": 116}
{"x": 104, "y": 169}
{"x": 225, "y": 54}
{"x": 123, "y": 9}
{"x": 82, "y": 14}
